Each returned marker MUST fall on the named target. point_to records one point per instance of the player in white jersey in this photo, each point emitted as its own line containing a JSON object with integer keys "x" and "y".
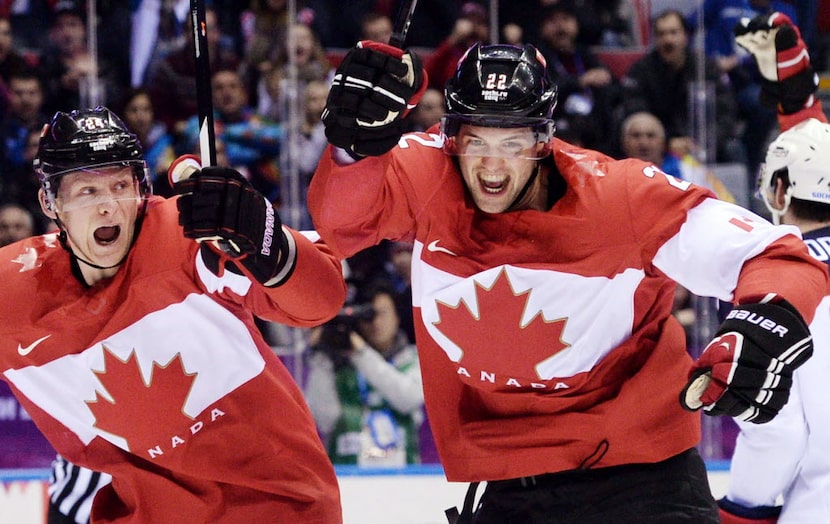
{"x": 543, "y": 280}
{"x": 780, "y": 472}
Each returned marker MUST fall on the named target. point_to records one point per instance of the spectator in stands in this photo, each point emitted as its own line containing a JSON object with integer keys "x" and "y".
{"x": 139, "y": 115}
{"x": 265, "y": 32}
{"x": 73, "y": 76}
{"x": 433, "y": 20}
{"x": 272, "y": 90}
{"x": 172, "y": 81}
{"x": 471, "y": 26}
{"x": 266, "y": 26}
{"x": 311, "y": 143}
{"x": 29, "y": 22}
{"x": 601, "y": 22}
{"x": 270, "y": 100}
{"x": 25, "y": 111}
{"x": 20, "y": 185}
{"x": 376, "y": 27}
{"x": 520, "y": 21}
{"x": 158, "y": 27}
{"x": 587, "y": 91}
{"x": 114, "y": 32}
{"x": 10, "y": 60}
{"x": 662, "y": 81}
{"x": 615, "y": 23}
{"x": 338, "y": 27}
{"x": 309, "y": 56}
{"x": 364, "y": 384}
{"x": 252, "y": 143}
{"x": 643, "y": 136}
{"x": 314, "y": 101}
{"x": 428, "y": 112}
{"x": 720, "y": 18}
{"x": 230, "y": 13}
{"x": 16, "y": 223}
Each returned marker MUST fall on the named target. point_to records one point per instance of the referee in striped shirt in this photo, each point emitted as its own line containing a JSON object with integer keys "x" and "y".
{"x": 71, "y": 490}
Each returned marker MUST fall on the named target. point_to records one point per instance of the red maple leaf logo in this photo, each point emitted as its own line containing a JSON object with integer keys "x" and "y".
{"x": 496, "y": 341}
{"x": 135, "y": 401}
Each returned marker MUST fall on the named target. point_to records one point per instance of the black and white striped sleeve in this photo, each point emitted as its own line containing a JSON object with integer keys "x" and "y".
{"x": 71, "y": 490}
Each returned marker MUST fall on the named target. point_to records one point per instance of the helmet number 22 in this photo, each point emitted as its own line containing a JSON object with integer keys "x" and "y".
{"x": 682, "y": 185}
{"x": 496, "y": 81}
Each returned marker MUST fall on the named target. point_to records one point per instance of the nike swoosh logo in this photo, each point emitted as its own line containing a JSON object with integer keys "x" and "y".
{"x": 28, "y": 349}
{"x": 435, "y": 248}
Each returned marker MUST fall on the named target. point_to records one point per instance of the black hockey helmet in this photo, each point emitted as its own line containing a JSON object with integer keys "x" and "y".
{"x": 500, "y": 86}
{"x": 87, "y": 138}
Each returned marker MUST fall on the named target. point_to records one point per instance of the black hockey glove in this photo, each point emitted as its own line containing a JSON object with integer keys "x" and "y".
{"x": 734, "y": 513}
{"x": 746, "y": 371}
{"x": 790, "y": 83}
{"x": 373, "y": 89}
{"x": 219, "y": 205}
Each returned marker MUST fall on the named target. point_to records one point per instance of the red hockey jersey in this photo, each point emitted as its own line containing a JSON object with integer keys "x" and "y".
{"x": 160, "y": 378}
{"x": 546, "y": 338}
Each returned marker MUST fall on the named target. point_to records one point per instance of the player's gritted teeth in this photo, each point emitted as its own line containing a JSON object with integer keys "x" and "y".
{"x": 107, "y": 234}
{"x": 493, "y": 185}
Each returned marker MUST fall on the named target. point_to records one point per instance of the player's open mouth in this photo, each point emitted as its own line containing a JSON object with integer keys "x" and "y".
{"x": 107, "y": 234}
{"x": 493, "y": 185}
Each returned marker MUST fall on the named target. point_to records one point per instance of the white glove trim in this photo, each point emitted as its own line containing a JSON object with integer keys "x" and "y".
{"x": 291, "y": 258}
{"x": 801, "y": 56}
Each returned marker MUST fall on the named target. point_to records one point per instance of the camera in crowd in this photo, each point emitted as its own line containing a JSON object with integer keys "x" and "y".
{"x": 334, "y": 339}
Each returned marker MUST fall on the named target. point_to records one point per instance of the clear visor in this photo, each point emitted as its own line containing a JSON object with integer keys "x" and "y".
{"x": 96, "y": 186}
{"x": 514, "y": 140}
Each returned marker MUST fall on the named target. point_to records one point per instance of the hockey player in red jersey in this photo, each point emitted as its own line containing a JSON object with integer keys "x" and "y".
{"x": 543, "y": 277}
{"x": 134, "y": 348}
{"x": 780, "y": 472}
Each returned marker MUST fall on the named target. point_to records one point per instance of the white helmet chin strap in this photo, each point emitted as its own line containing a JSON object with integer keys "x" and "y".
{"x": 778, "y": 213}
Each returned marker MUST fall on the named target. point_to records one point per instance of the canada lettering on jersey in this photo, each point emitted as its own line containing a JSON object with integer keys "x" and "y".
{"x": 178, "y": 440}
{"x": 496, "y": 381}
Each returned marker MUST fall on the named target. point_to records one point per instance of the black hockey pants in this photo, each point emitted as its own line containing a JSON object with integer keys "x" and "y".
{"x": 674, "y": 491}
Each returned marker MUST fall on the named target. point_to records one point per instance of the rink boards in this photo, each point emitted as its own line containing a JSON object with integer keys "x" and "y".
{"x": 412, "y": 495}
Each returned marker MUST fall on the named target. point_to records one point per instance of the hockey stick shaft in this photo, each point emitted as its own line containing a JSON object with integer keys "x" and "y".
{"x": 402, "y": 23}
{"x": 204, "y": 95}
{"x": 204, "y": 101}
